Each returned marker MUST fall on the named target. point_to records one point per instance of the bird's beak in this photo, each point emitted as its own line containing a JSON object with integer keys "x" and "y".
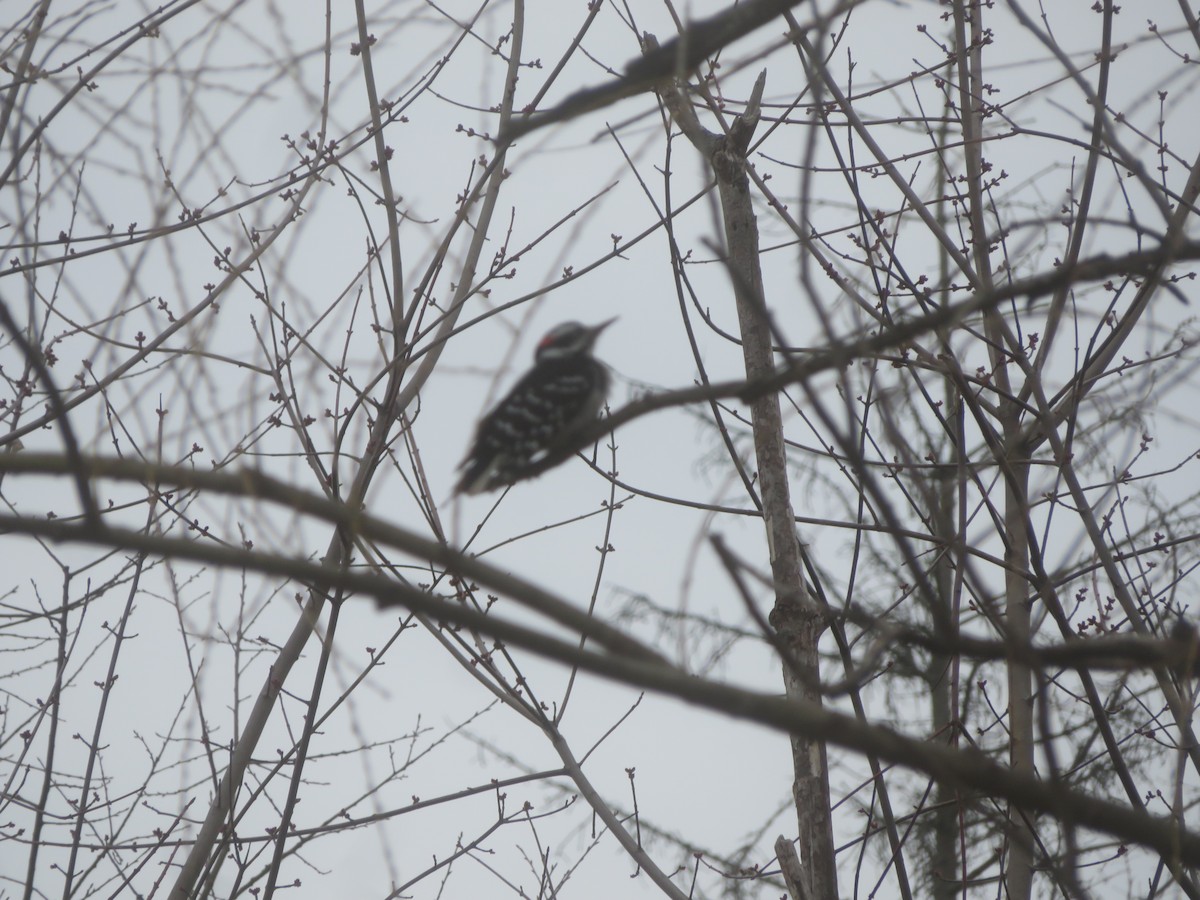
{"x": 596, "y": 329}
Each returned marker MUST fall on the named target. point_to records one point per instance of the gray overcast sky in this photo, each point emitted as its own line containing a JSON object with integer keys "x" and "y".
{"x": 195, "y": 118}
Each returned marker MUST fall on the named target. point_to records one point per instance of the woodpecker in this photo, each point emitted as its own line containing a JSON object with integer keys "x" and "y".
{"x": 533, "y": 427}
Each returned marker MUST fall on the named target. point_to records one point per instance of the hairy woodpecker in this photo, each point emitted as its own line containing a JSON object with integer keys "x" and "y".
{"x": 533, "y": 428}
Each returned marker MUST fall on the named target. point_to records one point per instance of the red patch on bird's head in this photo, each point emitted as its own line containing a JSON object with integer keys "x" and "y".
{"x": 553, "y": 336}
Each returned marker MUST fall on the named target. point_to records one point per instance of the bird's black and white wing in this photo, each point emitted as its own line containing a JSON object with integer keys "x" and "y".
{"x": 534, "y": 424}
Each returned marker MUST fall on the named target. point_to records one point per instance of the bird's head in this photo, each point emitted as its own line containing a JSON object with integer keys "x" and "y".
{"x": 568, "y": 339}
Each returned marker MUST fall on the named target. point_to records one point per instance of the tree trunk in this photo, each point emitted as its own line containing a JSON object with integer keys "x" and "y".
{"x": 797, "y": 628}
